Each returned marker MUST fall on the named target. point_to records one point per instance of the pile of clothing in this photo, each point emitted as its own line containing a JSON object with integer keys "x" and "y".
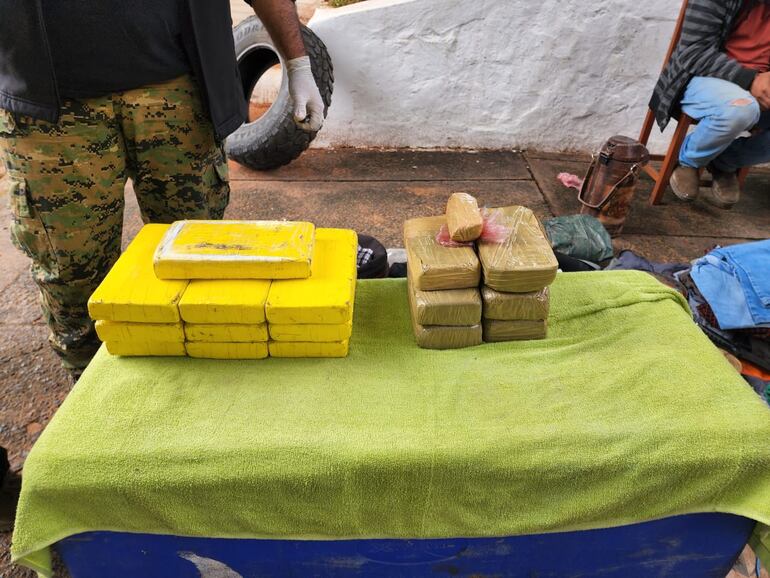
{"x": 729, "y": 294}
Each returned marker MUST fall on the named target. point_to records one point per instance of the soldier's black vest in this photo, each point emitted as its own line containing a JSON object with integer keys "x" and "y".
{"x": 28, "y": 84}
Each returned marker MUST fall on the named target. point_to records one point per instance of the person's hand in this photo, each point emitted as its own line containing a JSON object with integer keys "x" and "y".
{"x": 760, "y": 89}
{"x": 308, "y": 104}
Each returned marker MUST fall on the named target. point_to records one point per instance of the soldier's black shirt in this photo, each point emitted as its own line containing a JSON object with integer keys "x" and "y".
{"x": 104, "y": 46}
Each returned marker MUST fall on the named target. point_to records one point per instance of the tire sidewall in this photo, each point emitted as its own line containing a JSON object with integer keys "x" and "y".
{"x": 274, "y": 139}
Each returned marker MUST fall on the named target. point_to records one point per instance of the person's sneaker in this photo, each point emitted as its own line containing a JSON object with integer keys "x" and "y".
{"x": 685, "y": 182}
{"x": 725, "y": 190}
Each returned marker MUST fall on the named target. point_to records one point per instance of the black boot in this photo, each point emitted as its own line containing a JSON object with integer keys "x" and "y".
{"x": 10, "y": 486}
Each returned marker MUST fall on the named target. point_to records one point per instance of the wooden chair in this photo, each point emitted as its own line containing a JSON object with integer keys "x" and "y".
{"x": 670, "y": 160}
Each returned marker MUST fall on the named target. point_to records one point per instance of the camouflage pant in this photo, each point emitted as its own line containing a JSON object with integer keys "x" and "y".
{"x": 67, "y": 183}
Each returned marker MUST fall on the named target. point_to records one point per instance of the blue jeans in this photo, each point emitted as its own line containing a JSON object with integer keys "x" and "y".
{"x": 736, "y": 283}
{"x": 725, "y": 111}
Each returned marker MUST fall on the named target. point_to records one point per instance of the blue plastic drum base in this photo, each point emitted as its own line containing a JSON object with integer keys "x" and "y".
{"x": 696, "y": 546}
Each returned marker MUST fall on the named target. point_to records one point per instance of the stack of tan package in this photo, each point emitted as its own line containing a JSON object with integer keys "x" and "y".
{"x": 443, "y": 288}
{"x": 448, "y": 309}
{"x": 517, "y": 273}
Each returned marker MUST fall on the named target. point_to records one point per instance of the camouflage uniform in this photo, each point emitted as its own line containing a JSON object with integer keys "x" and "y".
{"x": 67, "y": 183}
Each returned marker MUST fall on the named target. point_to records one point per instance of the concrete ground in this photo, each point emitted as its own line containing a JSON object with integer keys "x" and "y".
{"x": 372, "y": 192}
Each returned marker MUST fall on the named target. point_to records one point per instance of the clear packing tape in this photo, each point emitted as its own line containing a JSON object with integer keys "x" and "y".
{"x": 433, "y": 266}
{"x": 532, "y": 306}
{"x": 453, "y": 307}
{"x": 492, "y": 231}
{"x": 464, "y": 220}
{"x": 524, "y": 262}
{"x": 498, "y": 331}
{"x": 442, "y": 336}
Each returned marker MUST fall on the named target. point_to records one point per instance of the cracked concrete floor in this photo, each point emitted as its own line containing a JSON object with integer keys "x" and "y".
{"x": 372, "y": 192}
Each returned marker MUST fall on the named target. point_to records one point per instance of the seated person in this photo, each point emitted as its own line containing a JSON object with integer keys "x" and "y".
{"x": 719, "y": 75}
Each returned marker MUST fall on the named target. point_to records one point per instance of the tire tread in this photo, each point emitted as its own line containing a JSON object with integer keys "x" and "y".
{"x": 265, "y": 146}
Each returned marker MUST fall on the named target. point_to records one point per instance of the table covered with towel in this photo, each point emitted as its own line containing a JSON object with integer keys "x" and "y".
{"x": 625, "y": 413}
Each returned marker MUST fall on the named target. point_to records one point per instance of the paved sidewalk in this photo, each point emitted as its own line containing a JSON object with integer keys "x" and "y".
{"x": 372, "y": 192}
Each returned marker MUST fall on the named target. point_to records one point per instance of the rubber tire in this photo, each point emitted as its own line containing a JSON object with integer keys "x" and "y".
{"x": 274, "y": 140}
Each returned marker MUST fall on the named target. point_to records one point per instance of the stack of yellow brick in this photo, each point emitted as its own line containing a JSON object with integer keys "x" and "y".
{"x": 221, "y": 317}
{"x": 136, "y": 313}
{"x": 225, "y": 319}
{"x": 517, "y": 273}
{"x": 314, "y": 317}
{"x": 443, "y": 288}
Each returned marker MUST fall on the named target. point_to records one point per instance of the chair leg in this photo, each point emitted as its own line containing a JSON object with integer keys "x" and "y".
{"x": 649, "y": 122}
{"x": 742, "y": 174}
{"x": 671, "y": 159}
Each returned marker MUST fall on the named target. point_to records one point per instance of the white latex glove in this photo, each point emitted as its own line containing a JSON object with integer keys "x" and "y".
{"x": 308, "y": 104}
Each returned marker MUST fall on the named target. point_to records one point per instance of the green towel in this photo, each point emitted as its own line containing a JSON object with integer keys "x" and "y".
{"x": 626, "y": 413}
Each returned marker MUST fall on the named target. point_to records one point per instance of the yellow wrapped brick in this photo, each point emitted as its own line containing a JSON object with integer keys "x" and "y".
{"x": 315, "y": 350}
{"x": 227, "y": 350}
{"x": 524, "y": 262}
{"x": 145, "y": 348}
{"x": 453, "y": 307}
{"x": 327, "y": 298}
{"x": 235, "y": 250}
{"x": 225, "y": 302}
{"x": 497, "y": 331}
{"x": 226, "y": 333}
{"x": 130, "y": 332}
{"x": 311, "y": 333}
{"x": 433, "y": 266}
{"x": 131, "y": 292}
{"x": 464, "y": 219}
{"x": 516, "y": 306}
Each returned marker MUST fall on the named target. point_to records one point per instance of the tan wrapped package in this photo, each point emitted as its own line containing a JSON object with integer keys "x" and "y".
{"x": 435, "y": 267}
{"x": 516, "y": 306}
{"x": 524, "y": 262}
{"x": 453, "y": 307}
{"x": 463, "y": 217}
{"x": 497, "y": 331}
{"x": 443, "y": 336}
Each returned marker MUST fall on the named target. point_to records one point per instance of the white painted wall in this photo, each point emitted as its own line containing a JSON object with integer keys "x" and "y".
{"x": 546, "y": 74}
